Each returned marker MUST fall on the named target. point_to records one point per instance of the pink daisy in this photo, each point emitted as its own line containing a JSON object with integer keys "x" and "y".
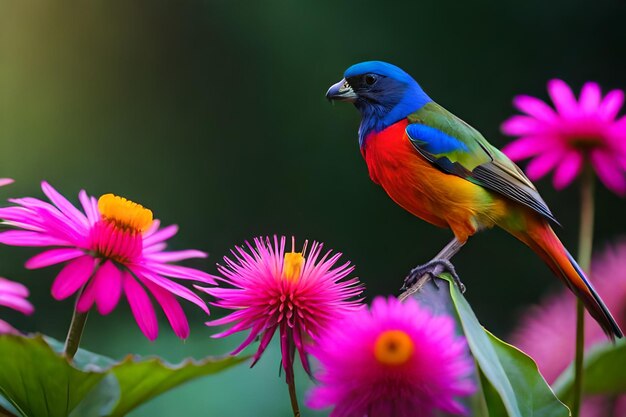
{"x": 576, "y": 132}
{"x": 13, "y": 295}
{"x": 297, "y": 293}
{"x": 395, "y": 360}
{"x": 114, "y": 247}
{"x": 547, "y": 332}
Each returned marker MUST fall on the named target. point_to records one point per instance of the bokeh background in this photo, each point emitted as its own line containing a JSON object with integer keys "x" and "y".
{"x": 212, "y": 114}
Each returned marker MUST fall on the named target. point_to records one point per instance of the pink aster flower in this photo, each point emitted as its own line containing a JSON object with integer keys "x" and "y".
{"x": 297, "y": 293}
{"x": 114, "y": 247}
{"x": 393, "y": 360}
{"x": 576, "y": 132}
{"x": 547, "y": 331}
{"x": 13, "y": 295}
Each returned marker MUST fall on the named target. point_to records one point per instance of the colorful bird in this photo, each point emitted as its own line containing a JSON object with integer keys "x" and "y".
{"x": 444, "y": 171}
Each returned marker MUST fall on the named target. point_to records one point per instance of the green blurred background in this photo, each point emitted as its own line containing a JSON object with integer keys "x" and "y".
{"x": 213, "y": 115}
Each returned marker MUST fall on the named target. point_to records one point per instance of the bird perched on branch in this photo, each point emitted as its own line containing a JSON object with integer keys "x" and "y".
{"x": 444, "y": 171}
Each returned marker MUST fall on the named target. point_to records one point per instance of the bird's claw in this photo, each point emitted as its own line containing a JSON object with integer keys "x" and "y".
{"x": 430, "y": 268}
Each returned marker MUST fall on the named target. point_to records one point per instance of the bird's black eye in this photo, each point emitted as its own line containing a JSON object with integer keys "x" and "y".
{"x": 370, "y": 79}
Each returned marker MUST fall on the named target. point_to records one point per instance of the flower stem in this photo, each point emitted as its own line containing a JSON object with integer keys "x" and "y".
{"x": 585, "y": 244}
{"x": 75, "y": 332}
{"x": 293, "y": 397}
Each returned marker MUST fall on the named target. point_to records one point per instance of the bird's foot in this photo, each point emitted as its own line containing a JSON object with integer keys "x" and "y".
{"x": 432, "y": 268}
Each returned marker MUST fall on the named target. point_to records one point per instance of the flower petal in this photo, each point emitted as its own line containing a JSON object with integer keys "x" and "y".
{"x": 6, "y": 181}
{"x": 154, "y": 226}
{"x": 108, "y": 287}
{"x": 141, "y": 306}
{"x": 6, "y": 328}
{"x": 90, "y": 206}
{"x": 542, "y": 164}
{"x": 176, "y": 255}
{"x": 287, "y": 351}
{"x": 254, "y": 332}
{"x": 52, "y": 257}
{"x": 73, "y": 276}
{"x": 21, "y": 215}
{"x": 535, "y": 108}
{"x": 523, "y": 126}
{"x": 171, "y": 286}
{"x": 622, "y": 161}
{"x": 590, "y": 97}
{"x": 160, "y": 236}
{"x": 609, "y": 171}
{"x": 178, "y": 271}
{"x": 16, "y": 303}
{"x": 526, "y": 147}
{"x": 611, "y": 104}
{"x": 265, "y": 341}
{"x": 567, "y": 170}
{"x": 87, "y": 298}
{"x": 563, "y": 98}
{"x": 172, "y": 309}
{"x": 27, "y": 238}
{"x": 67, "y": 208}
{"x": 12, "y": 287}
{"x": 157, "y": 247}
{"x": 618, "y": 132}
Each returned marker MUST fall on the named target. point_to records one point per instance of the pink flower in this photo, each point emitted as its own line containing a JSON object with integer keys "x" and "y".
{"x": 13, "y": 295}
{"x": 578, "y": 131}
{"x": 547, "y": 332}
{"x": 114, "y": 247}
{"x": 297, "y": 293}
{"x": 395, "y": 360}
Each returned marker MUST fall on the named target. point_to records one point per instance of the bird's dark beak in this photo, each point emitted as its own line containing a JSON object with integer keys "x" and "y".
{"x": 341, "y": 92}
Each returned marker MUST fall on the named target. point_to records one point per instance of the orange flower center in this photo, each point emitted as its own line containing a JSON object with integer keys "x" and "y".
{"x": 393, "y": 347}
{"x": 125, "y": 214}
{"x": 292, "y": 266}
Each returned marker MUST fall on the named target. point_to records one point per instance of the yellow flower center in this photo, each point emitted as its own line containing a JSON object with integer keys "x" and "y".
{"x": 393, "y": 347}
{"x": 124, "y": 213}
{"x": 292, "y": 266}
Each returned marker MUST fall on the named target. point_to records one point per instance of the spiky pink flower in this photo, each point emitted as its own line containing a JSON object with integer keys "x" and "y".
{"x": 547, "y": 332}
{"x": 397, "y": 359}
{"x": 297, "y": 293}
{"x": 114, "y": 247}
{"x": 13, "y": 295}
{"x": 577, "y": 132}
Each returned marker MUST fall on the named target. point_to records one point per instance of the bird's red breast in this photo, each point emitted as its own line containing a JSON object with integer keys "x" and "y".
{"x": 425, "y": 191}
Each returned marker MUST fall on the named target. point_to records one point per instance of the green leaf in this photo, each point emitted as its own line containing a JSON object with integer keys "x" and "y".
{"x": 137, "y": 380}
{"x": 142, "y": 379}
{"x": 101, "y": 400}
{"x": 492, "y": 397}
{"x": 37, "y": 381}
{"x": 512, "y": 374}
{"x": 604, "y": 373}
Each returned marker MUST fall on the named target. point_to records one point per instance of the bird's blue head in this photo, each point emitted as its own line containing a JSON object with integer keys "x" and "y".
{"x": 383, "y": 93}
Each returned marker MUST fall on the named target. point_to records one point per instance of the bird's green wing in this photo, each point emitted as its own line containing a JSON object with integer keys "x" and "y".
{"x": 457, "y": 148}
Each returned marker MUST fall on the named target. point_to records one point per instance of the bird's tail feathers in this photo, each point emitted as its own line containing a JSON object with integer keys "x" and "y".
{"x": 542, "y": 239}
